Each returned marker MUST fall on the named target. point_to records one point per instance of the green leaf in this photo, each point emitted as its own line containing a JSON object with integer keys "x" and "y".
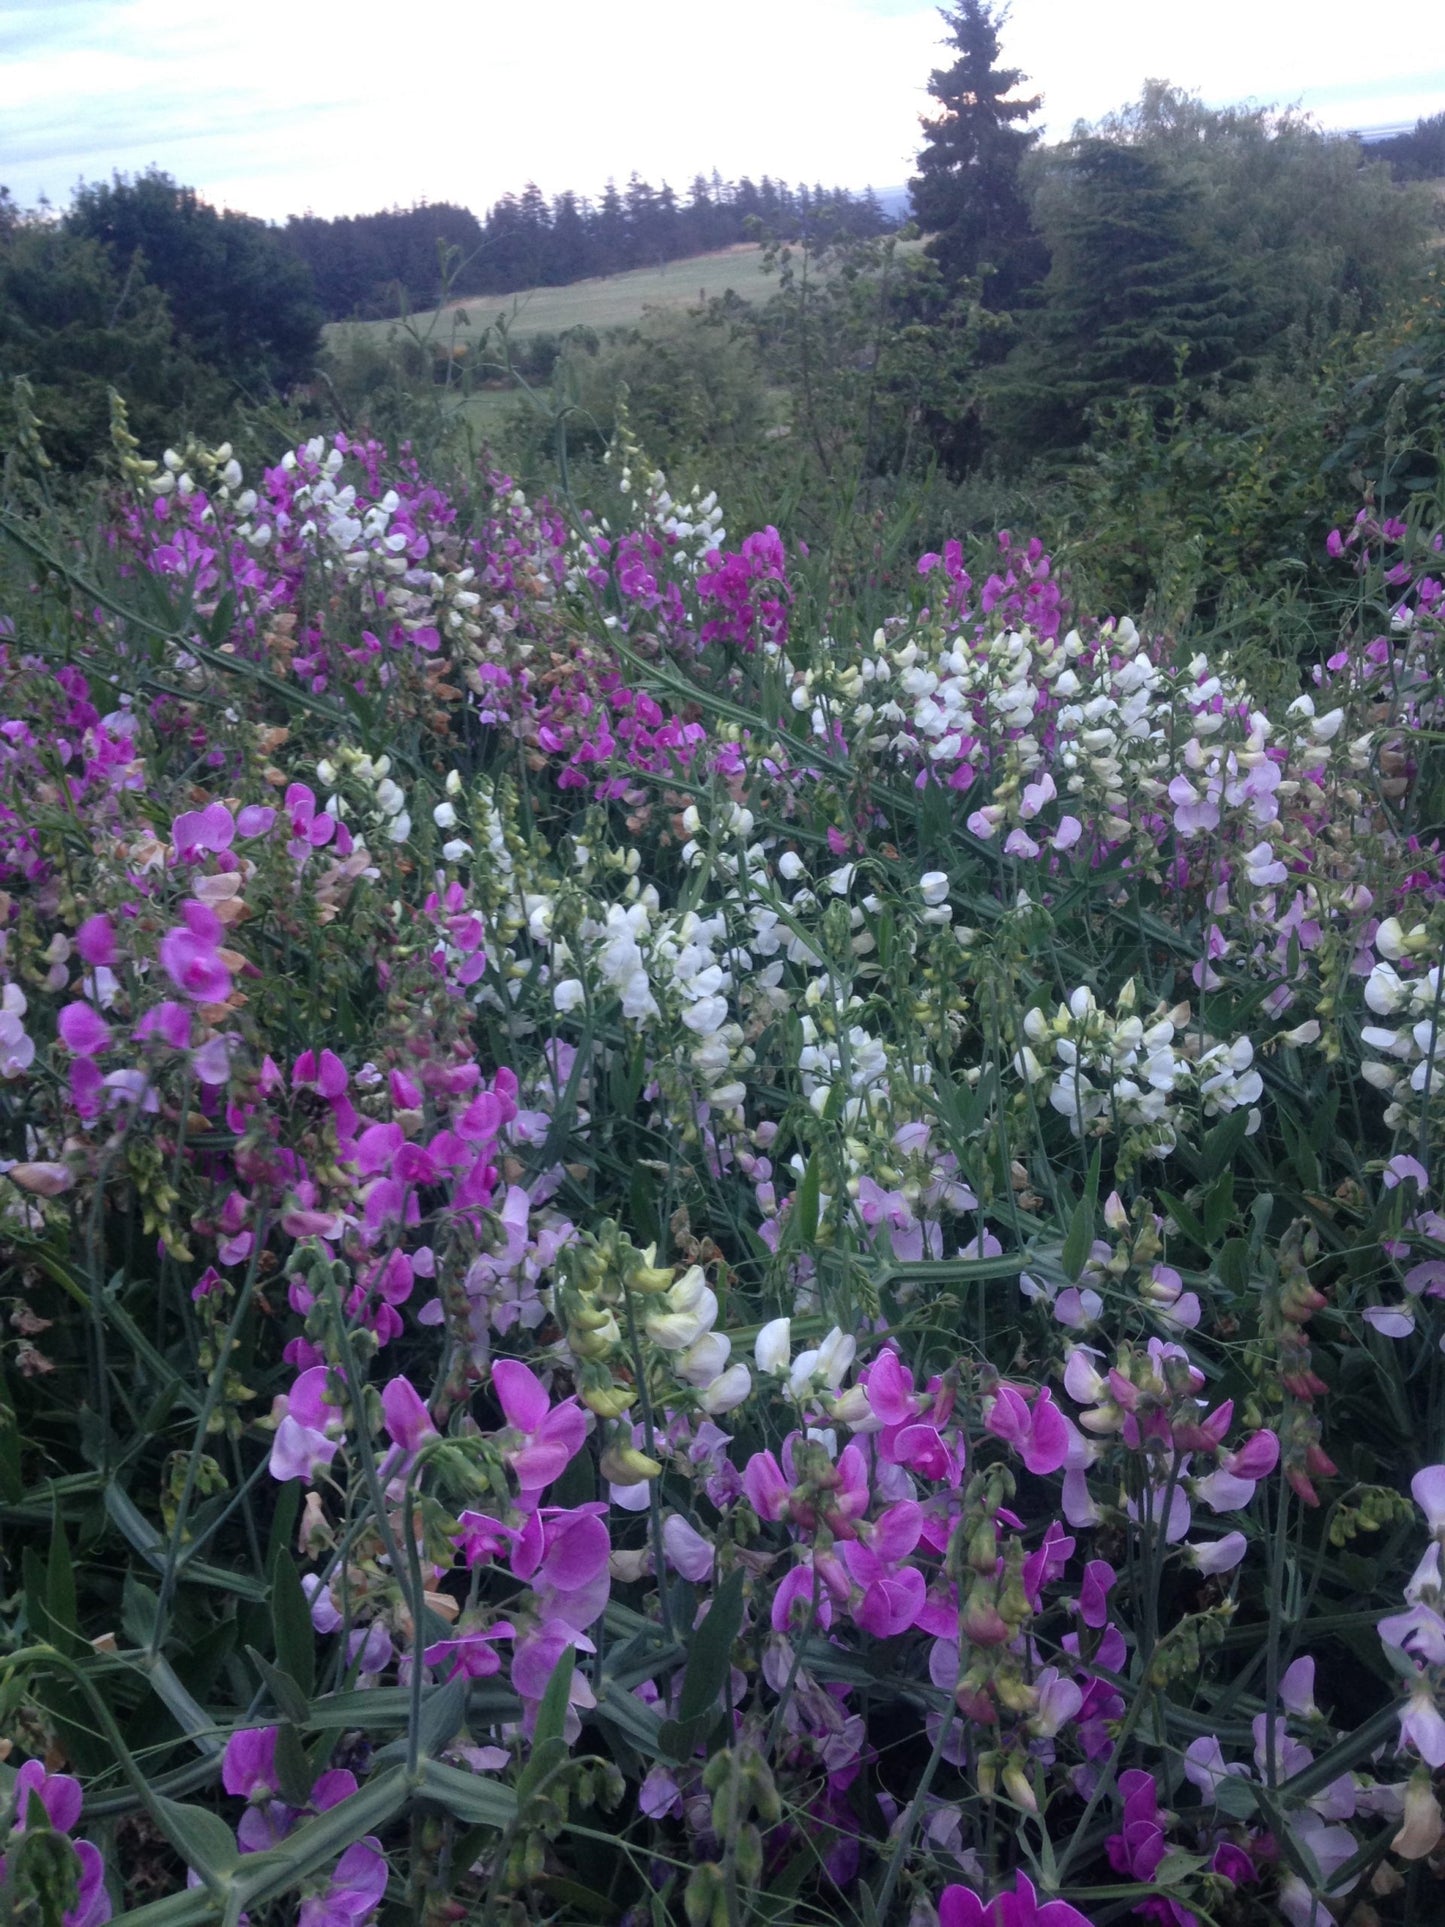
{"x": 1218, "y": 1205}
{"x": 1185, "y": 1219}
{"x": 549, "y": 1748}
{"x": 1221, "y": 1146}
{"x": 471, "y": 1798}
{"x": 1080, "y": 1236}
{"x": 708, "y": 1666}
{"x": 200, "y": 1837}
{"x": 1232, "y": 1266}
{"x": 293, "y": 1769}
{"x": 139, "y": 1611}
{"x": 291, "y": 1623}
{"x": 806, "y": 1207}
{"x": 443, "y": 1709}
{"x": 291, "y": 1703}
{"x": 60, "y": 1596}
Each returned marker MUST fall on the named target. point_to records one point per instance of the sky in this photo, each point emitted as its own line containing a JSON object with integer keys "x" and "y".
{"x": 279, "y": 106}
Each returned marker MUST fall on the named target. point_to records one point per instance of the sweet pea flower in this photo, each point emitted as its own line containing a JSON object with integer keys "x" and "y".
{"x": 195, "y": 832}
{"x": 83, "y": 1031}
{"x": 95, "y": 941}
{"x": 1039, "y": 1433}
{"x": 190, "y": 956}
{"x": 550, "y": 1436}
{"x": 60, "y": 1796}
{"x": 470, "y": 1655}
{"x": 960, "y": 1907}
{"x": 408, "y": 1421}
{"x": 354, "y": 1891}
{"x": 248, "y": 1765}
{"x": 773, "y": 1348}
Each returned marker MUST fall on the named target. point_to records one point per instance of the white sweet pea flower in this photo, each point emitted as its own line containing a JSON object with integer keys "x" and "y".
{"x": 829, "y": 1363}
{"x": 727, "y": 1391}
{"x": 691, "y": 1310}
{"x": 774, "y": 1346}
{"x": 567, "y": 995}
{"x": 933, "y": 887}
{"x": 705, "y": 1359}
{"x": 444, "y": 816}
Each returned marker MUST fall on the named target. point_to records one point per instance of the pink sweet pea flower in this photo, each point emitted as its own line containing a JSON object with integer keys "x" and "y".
{"x": 189, "y": 956}
{"x": 1040, "y": 1435}
{"x": 1428, "y": 1491}
{"x": 551, "y": 1436}
{"x": 95, "y": 940}
{"x": 83, "y": 1030}
{"x": 196, "y": 831}
{"x": 961, "y": 1907}
{"x": 248, "y": 1765}
{"x": 471, "y": 1655}
{"x": 408, "y": 1421}
{"x": 326, "y": 1075}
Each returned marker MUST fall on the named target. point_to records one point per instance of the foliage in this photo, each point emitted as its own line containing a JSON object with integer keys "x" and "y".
{"x": 74, "y": 328}
{"x": 1418, "y": 155}
{"x": 669, "y": 1264}
{"x": 966, "y": 195}
{"x": 242, "y": 304}
{"x": 1136, "y": 301}
{"x": 369, "y": 264}
{"x": 1321, "y": 238}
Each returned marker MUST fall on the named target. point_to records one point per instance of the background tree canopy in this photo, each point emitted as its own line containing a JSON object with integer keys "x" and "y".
{"x": 240, "y": 300}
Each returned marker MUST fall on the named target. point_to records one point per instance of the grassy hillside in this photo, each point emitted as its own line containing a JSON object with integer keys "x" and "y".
{"x": 608, "y": 301}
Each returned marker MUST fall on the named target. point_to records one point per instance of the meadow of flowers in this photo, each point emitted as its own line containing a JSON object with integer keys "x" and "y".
{"x": 665, "y": 1267}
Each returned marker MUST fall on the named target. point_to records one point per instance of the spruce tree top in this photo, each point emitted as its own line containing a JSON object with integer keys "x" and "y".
{"x": 966, "y": 194}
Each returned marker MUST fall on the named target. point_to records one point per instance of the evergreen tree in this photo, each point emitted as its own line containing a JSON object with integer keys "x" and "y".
{"x": 966, "y": 194}
{"x": 1139, "y": 297}
{"x": 75, "y": 328}
{"x": 240, "y": 298}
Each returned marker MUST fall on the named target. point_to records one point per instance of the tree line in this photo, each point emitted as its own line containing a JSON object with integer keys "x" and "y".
{"x": 365, "y": 264}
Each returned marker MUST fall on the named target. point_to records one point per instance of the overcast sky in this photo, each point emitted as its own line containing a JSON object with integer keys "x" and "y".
{"x": 276, "y": 106}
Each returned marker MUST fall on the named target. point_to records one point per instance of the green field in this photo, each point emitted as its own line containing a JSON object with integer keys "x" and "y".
{"x": 610, "y": 301}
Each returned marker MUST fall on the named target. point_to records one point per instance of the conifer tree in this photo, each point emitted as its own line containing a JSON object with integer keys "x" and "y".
{"x": 967, "y": 195}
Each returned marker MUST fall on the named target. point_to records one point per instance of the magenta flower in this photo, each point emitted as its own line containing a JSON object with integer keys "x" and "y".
{"x": 326, "y": 1074}
{"x": 471, "y": 1655}
{"x": 95, "y": 940}
{"x": 551, "y": 1436}
{"x": 354, "y": 1891}
{"x": 195, "y": 832}
{"x": 248, "y": 1766}
{"x": 310, "y": 1430}
{"x": 1099, "y": 1577}
{"x": 60, "y": 1796}
{"x": 765, "y": 1486}
{"x": 1039, "y": 1434}
{"x": 83, "y": 1030}
{"x": 961, "y": 1907}
{"x": 59, "y": 1793}
{"x": 190, "y": 959}
{"x": 171, "y": 1022}
{"x": 407, "y": 1418}
{"x": 1427, "y": 1488}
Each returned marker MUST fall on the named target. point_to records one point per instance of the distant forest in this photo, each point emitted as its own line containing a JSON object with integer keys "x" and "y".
{"x": 361, "y": 263}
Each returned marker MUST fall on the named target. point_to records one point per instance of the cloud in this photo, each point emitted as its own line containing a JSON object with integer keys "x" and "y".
{"x": 276, "y": 107}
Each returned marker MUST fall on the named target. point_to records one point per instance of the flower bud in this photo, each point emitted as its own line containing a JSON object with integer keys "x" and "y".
{"x": 625, "y": 1465}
